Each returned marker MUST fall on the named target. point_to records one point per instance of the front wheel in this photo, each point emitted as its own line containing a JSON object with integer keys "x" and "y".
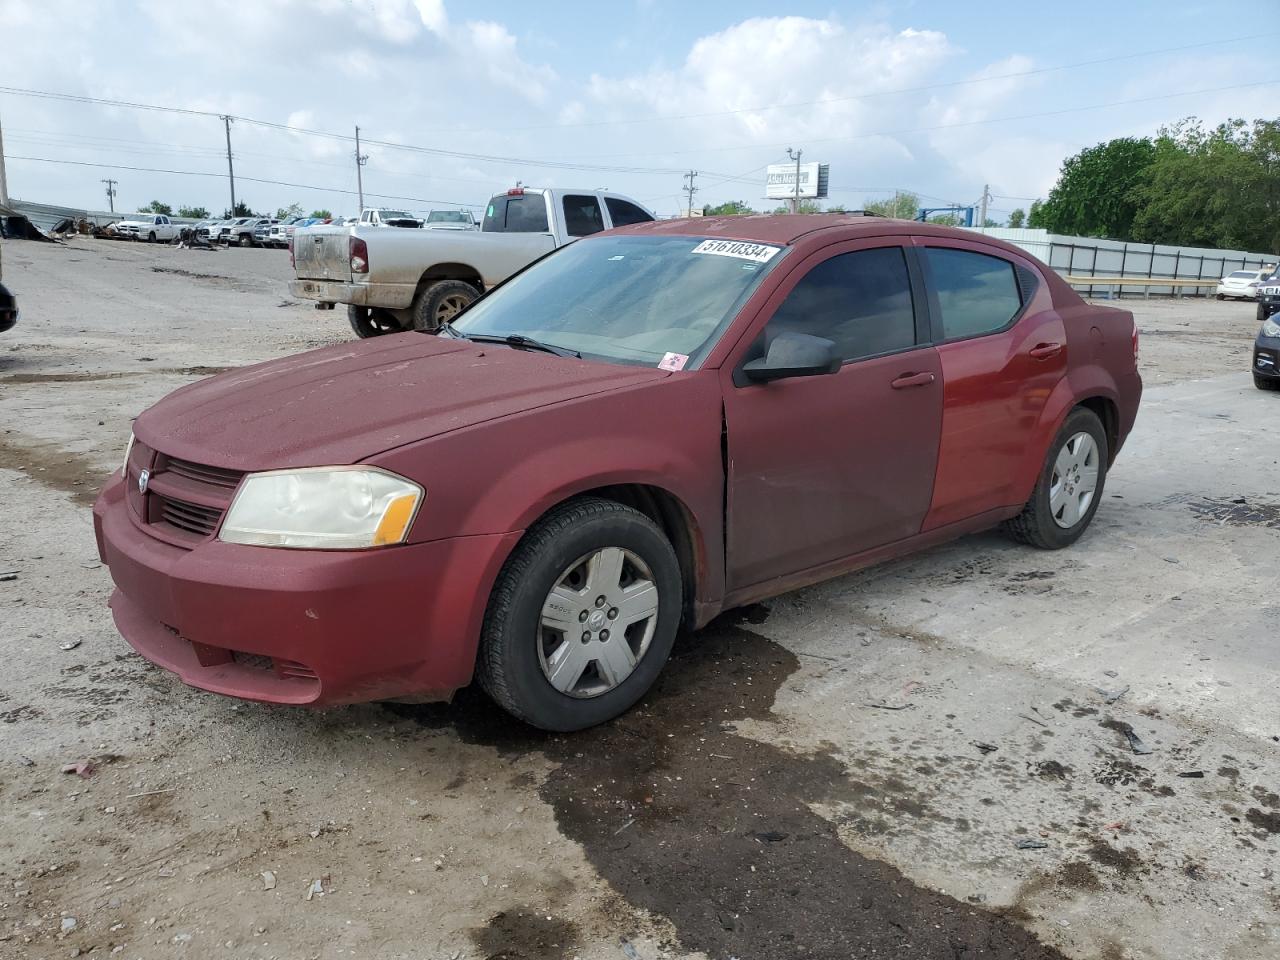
{"x": 440, "y": 303}
{"x": 1266, "y": 383}
{"x": 151, "y": 237}
{"x": 582, "y": 618}
{"x": 1070, "y": 486}
{"x": 369, "y": 322}
{"x": 246, "y": 240}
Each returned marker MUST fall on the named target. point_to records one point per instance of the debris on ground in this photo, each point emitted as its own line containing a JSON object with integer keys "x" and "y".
{"x": 72, "y": 644}
{"x": 1111, "y": 696}
{"x": 1192, "y": 774}
{"x": 985, "y": 748}
{"x": 8, "y": 575}
{"x": 1135, "y": 742}
{"x": 82, "y": 768}
{"x": 68, "y": 924}
{"x": 891, "y": 706}
{"x": 26, "y": 761}
{"x": 1029, "y": 844}
{"x": 320, "y": 887}
{"x": 268, "y": 880}
{"x": 628, "y": 950}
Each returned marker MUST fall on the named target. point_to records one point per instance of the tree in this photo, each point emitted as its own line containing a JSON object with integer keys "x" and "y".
{"x": 806, "y": 206}
{"x": 241, "y": 209}
{"x": 1017, "y": 218}
{"x": 734, "y": 208}
{"x": 194, "y": 213}
{"x": 322, "y": 214}
{"x": 155, "y": 206}
{"x": 1094, "y": 195}
{"x": 990, "y": 223}
{"x": 291, "y": 212}
{"x": 945, "y": 219}
{"x": 901, "y": 206}
{"x": 1035, "y": 215}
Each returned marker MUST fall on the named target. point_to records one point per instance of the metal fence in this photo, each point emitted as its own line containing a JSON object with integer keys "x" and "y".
{"x": 1087, "y": 256}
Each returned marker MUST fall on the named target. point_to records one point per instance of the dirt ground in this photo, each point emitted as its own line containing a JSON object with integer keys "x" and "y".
{"x": 932, "y": 758}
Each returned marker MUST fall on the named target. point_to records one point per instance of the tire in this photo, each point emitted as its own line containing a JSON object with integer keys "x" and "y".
{"x": 1221, "y": 296}
{"x": 440, "y": 302}
{"x": 518, "y": 649}
{"x": 1266, "y": 383}
{"x": 151, "y": 237}
{"x": 1037, "y": 524}
{"x": 246, "y": 240}
{"x": 370, "y": 322}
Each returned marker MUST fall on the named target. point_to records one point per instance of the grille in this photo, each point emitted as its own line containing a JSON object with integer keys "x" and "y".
{"x": 191, "y": 517}
{"x": 217, "y": 476}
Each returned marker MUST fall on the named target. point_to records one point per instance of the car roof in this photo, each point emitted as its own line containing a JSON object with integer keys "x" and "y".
{"x": 787, "y": 228}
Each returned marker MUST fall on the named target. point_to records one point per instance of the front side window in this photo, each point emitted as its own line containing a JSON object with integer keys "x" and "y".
{"x": 861, "y": 301}
{"x": 628, "y": 299}
{"x": 623, "y": 213}
{"x": 582, "y": 215}
{"x": 977, "y": 293}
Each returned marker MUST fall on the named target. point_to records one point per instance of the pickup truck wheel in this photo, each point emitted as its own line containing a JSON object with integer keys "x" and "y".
{"x": 246, "y": 240}
{"x": 1070, "y": 486}
{"x": 441, "y": 302}
{"x": 367, "y": 322}
{"x": 582, "y": 618}
{"x": 151, "y": 237}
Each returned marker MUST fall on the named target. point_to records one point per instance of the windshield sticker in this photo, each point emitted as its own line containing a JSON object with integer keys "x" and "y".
{"x": 758, "y": 252}
{"x": 673, "y": 362}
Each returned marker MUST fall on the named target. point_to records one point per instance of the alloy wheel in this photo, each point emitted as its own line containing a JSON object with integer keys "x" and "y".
{"x": 1074, "y": 481}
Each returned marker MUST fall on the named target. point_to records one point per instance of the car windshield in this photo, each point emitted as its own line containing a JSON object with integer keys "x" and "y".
{"x": 447, "y": 216}
{"x": 1243, "y": 275}
{"x": 639, "y": 300}
{"x": 396, "y": 215}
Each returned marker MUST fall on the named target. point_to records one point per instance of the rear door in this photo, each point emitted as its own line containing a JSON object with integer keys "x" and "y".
{"x": 820, "y": 468}
{"x": 1003, "y": 349}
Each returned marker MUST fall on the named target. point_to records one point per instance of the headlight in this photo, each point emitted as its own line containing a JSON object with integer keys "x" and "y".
{"x": 324, "y": 508}
{"x": 1270, "y": 328}
{"x": 124, "y": 467}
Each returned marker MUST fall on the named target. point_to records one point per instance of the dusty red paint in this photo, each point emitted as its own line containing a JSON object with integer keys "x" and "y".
{"x": 825, "y": 474}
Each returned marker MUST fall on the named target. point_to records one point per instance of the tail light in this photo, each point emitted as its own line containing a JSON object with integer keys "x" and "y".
{"x": 516, "y": 192}
{"x": 359, "y": 255}
{"x": 1135, "y": 343}
{"x": 292, "y": 263}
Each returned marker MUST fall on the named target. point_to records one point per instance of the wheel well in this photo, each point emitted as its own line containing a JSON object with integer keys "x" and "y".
{"x": 450, "y": 271}
{"x": 1106, "y": 411}
{"x": 675, "y": 521}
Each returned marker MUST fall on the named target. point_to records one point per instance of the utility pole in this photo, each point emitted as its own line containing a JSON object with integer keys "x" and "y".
{"x": 231, "y": 170}
{"x": 690, "y": 189}
{"x": 986, "y": 196}
{"x": 111, "y": 194}
{"x": 360, "y": 162}
{"x": 795, "y": 155}
{"x": 4, "y": 183}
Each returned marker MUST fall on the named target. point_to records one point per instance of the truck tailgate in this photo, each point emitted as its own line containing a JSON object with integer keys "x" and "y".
{"x": 322, "y": 253}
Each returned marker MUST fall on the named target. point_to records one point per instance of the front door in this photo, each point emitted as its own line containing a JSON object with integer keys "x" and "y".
{"x": 820, "y": 468}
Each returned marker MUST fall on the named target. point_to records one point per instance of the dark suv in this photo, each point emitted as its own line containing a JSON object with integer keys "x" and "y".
{"x": 8, "y": 308}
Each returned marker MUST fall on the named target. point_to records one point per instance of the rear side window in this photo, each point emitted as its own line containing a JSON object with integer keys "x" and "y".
{"x": 520, "y": 214}
{"x": 582, "y": 216}
{"x": 623, "y": 213}
{"x": 860, "y": 300}
{"x": 977, "y": 294}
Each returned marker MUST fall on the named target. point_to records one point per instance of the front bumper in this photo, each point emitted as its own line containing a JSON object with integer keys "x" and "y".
{"x": 1268, "y": 306}
{"x": 300, "y": 626}
{"x": 393, "y": 296}
{"x": 1266, "y": 357}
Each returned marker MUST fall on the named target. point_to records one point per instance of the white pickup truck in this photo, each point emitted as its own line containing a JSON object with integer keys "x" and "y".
{"x": 394, "y": 280}
{"x": 146, "y": 226}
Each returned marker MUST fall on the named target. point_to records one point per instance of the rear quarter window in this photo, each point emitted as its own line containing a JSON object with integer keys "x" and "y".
{"x": 977, "y": 294}
{"x": 526, "y": 214}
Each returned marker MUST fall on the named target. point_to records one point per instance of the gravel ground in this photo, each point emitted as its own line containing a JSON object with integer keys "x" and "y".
{"x": 926, "y": 759}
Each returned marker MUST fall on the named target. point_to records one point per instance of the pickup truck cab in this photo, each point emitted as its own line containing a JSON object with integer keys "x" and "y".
{"x": 393, "y": 280}
{"x": 384, "y": 217}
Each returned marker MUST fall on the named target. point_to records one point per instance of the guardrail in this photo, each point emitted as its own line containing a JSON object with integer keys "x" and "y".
{"x": 1145, "y": 282}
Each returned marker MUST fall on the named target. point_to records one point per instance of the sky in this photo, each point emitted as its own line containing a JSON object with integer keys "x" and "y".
{"x": 456, "y": 101}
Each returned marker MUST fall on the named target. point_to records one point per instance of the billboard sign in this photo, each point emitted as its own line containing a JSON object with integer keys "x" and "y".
{"x": 780, "y": 183}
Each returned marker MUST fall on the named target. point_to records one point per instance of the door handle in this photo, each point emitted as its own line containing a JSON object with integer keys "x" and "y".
{"x": 912, "y": 380}
{"x": 1043, "y": 351}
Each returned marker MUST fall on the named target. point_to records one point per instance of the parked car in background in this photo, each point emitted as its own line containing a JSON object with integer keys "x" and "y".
{"x": 247, "y": 230}
{"x": 393, "y": 280}
{"x": 386, "y": 217}
{"x": 280, "y": 234}
{"x": 450, "y": 220}
{"x": 1240, "y": 284}
{"x": 145, "y": 226}
{"x": 211, "y": 229}
{"x": 8, "y": 302}
{"x": 643, "y": 429}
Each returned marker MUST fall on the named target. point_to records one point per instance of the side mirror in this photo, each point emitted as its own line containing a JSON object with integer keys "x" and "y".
{"x": 793, "y": 355}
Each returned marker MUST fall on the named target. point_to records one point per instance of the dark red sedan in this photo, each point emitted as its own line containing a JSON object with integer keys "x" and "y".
{"x": 639, "y": 431}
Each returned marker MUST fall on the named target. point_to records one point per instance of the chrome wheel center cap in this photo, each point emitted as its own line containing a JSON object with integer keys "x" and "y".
{"x": 596, "y": 620}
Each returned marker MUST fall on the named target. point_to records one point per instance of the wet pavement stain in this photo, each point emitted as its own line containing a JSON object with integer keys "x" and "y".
{"x": 521, "y": 933}
{"x": 690, "y": 821}
{"x": 1238, "y": 512}
{"x": 72, "y": 473}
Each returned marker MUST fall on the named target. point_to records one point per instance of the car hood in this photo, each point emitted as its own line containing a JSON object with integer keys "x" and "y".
{"x": 346, "y": 403}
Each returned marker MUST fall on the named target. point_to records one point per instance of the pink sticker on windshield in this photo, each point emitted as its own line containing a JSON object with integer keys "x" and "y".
{"x": 673, "y": 361}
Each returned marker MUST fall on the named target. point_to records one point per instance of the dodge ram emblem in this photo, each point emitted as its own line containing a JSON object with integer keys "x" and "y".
{"x": 143, "y": 479}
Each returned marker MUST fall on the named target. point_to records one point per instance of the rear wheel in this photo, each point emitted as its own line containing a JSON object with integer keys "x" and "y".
{"x": 582, "y": 618}
{"x": 369, "y": 322}
{"x": 440, "y": 303}
{"x": 1070, "y": 486}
